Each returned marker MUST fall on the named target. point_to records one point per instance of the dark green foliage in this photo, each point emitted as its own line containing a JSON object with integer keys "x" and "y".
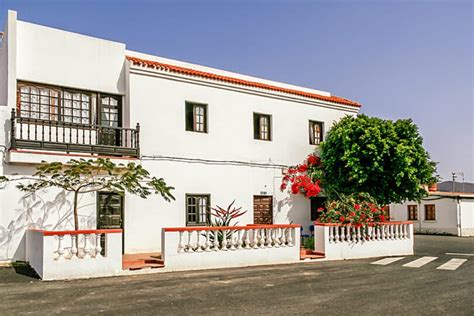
{"x": 383, "y": 158}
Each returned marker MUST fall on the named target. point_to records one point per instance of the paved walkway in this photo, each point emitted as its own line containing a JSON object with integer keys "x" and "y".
{"x": 357, "y": 287}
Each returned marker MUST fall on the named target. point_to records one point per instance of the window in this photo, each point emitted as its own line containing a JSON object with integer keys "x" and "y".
{"x": 197, "y": 209}
{"x": 67, "y": 105}
{"x": 413, "y": 212}
{"x": 54, "y": 104}
{"x": 196, "y": 117}
{"x": 430, "y": 212}
{"x": 315, "y": 132}
{"x": 262, "y": 126}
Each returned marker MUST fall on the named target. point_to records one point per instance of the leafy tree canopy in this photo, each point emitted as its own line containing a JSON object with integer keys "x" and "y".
{"x": 381, "y": 157}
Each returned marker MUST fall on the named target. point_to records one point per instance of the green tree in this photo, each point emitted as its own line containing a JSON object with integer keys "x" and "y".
{"x": 86, "y": 176}
{"x": 381, "y": 157}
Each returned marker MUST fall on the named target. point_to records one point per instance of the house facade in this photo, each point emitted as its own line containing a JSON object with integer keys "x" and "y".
{"x": 443, "y": 211}
{"x": 216, "y": 136}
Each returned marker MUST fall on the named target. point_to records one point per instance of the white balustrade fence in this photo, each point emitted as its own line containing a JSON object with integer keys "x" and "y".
{"x": 189, "y": 248}
{"x": 74, "y": 254}
{"x": 340, "y": 241}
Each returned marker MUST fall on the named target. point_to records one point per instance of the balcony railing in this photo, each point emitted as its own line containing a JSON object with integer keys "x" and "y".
{"x": 30, "y": 133}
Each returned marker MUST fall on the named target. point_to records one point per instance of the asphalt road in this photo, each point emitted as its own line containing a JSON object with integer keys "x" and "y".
{"x": 354, "y": 287}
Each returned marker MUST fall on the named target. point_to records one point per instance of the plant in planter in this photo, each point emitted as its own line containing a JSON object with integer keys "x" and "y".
{"x": 221, "y": 217}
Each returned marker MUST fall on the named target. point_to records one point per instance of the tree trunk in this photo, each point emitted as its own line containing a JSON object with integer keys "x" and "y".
{"x": 76, "y": 217}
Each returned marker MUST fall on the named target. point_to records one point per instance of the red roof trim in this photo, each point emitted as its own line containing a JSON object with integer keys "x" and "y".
{"x": 253, "y": 84}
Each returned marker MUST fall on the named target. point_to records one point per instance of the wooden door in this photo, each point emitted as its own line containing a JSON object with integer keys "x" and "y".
{"x": 262, "y": 209}
{"x": 109, "y": 213}
{"x": 110, "y": 120}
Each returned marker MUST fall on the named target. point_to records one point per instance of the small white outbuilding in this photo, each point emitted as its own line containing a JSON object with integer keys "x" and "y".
{"x": 447, "y": 210}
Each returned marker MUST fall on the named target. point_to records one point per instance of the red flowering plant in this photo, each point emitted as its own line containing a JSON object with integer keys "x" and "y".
{"x": 221, "y": 217}
{"x": 356, "y": 209}
{"x": 305, "y": 178}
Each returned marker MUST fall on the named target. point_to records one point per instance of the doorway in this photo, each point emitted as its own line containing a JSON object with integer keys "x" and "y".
{"x": 263, "y": 209}
{"x": 109, "y": 214}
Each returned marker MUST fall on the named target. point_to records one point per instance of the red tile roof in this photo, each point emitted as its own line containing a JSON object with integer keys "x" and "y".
{"x": 253, "y": 84}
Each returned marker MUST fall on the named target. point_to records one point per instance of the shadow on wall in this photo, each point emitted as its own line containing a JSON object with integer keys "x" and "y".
{"x": 34, "y": 212}
{"x": 297, "y": 210}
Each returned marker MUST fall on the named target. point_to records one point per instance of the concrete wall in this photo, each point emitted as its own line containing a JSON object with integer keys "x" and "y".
{"x": 384, "y": 242}
{"x": 256, "y": 253}
{"x": 42, "y": 254}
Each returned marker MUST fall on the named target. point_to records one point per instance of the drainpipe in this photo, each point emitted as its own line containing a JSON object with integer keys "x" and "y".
{"x": 458, "y": 212}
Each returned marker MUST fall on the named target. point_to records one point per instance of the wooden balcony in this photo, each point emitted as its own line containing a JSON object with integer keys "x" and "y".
{"x": 37, "y": 134}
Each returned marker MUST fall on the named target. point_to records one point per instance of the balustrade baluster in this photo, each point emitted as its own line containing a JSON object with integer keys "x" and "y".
{"x": 276, "y": 237}
{"x": 290, "y": 236}
{"x": 255, "y": 238}
{"x": 189, "y": 246}
{"x": 239, "y": 239}
{"x": 28, "y": 130}
{"x": 74, "y": 249}
{"x": 343, "y": 235}
{"x": 180, "y": 242}
{"x": 216, "y": 240}
{"x": 60, "y": 246}
{"x": 336, "y": 235}
{"x": 283, "y": 237}
{"x": 87, "y": 249}
{"x": 405, "y": 231}
{"x": 224, "y": 240}
{"x": 247, "y": 238}
{"x": 36, "y": 133}
{"x": 198, "y": 241}
{"x": 208, "y": 241}
{"x": 262, "y": 238}
{"x": 232, "y": 240}
{"x": 42, "y": 131}
{"x": 358, "y": 234}
{"x": 98, "y": 248}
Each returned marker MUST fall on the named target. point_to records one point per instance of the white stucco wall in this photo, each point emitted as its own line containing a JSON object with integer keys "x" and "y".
{"x": 53, "y": 56}
{"x": 51, "y": 209}
{"x": 446, "y": 215}
{"x": 467, "y": 217}
{"x": 157, "y": 102}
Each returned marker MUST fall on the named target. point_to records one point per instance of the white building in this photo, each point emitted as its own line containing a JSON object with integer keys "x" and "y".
{"x": 214, "y": 135}
{"x": 443, "y": 211}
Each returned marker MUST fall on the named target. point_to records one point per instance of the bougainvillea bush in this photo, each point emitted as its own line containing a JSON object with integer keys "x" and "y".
{"x": 356, "y": 209}
{"x": 304, "y": 178}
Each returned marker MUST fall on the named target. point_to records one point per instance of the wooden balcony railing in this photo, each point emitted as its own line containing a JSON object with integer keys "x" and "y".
{"x": 30, "y": 133}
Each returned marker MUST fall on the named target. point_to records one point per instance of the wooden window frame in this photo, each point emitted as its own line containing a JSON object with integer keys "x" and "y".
{"x": 192, "y": 125}
{"x": 198, "y": 213}
{"x": 410, "y": 215}
{"x": 257, "y": 127}
{"x": 428, "y": 210}
{"x": 313, "y": 140}
{"x": 93, "y": 118}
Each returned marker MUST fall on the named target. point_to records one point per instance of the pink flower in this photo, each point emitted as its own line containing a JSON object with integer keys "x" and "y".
{"x": 357, "y": 206}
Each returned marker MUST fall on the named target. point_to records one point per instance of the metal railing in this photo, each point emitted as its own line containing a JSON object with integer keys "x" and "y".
{"x": 31, "y": 133}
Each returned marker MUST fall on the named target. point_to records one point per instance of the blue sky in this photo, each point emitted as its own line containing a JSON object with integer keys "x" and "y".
{"x": 400, "y": 59}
